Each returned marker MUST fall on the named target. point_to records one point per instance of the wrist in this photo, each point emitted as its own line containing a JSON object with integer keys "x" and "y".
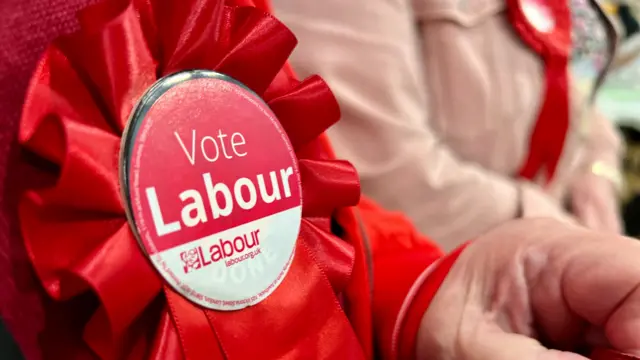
{"x": 609, "y": 174}
{"x": 535, "y": 203}
{"x": 412, "y": 329}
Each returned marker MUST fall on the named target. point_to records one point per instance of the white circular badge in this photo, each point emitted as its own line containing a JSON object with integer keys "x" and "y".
{"x": 539, "y": 15}
{"x": 212, "y": 189}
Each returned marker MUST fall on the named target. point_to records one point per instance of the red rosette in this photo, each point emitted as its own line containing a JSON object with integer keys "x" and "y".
{"x": 76, "y": 232}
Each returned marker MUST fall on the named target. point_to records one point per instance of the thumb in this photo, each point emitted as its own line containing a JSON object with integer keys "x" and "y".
{"x": 496, "y": 344}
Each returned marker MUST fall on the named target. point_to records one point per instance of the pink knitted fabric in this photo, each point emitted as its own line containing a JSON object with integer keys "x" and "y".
{"x": 26, "y": 28}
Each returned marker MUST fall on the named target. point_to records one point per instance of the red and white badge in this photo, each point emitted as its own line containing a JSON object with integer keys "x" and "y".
{"x": 212, "y": 189}
{"x": 539, "y": 15}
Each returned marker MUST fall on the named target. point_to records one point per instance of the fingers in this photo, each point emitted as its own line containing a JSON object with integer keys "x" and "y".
{"x": 614, "y": 222}
{"x": 623, "y": 326}
{"x": 575, "y": 278}
{"x": 598, "y": 209}
{"x": 536, "y": 279}
{"x": 600, "y": 282}
{"x": 591, "y": 219}
{"x": 498, "y": 345}
{"x": 602, "y": 219}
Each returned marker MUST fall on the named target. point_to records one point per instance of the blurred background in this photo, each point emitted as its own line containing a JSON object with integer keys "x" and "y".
{"x": 619, "y": 99}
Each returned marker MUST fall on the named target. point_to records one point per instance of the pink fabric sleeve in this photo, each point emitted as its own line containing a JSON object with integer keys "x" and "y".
{"x": 368, "y": 52}
{"x": 604, "y": 146}
{"x": 604, "y": 143}
{"x": 599, "y": 181}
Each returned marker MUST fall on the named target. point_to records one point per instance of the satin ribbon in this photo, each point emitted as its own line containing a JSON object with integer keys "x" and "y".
{"x": 550, "y": 130}
{"x": 76, "y": 233}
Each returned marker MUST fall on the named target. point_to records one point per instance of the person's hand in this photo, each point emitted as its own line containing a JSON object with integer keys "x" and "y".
{"x": 595, "y": 204}
{"x": 536, "y": 290}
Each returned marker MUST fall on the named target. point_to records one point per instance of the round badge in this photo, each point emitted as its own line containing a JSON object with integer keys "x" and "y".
{"x": 212, "y": 189}
{"x": 538, "y": 15}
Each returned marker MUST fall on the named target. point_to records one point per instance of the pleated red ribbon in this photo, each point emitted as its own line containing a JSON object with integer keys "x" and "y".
{"x": 76, "y": 233}
{"x": 554, "y": 46}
